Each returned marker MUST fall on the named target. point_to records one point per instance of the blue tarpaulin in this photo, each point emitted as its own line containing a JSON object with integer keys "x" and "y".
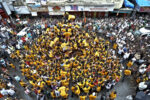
{"x": 143, "y": 3}
{"x": 128, "y": 4}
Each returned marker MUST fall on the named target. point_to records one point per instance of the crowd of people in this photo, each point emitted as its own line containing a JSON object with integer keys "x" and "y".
{"x": 67, "y": 55}
{"x": 76, "y": 58}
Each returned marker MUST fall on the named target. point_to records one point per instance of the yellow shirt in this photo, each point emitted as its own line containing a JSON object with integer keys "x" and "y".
{"x": 82, "y": 97}
{"x": 115, "y": 46}
{"x": 127, "y": 72}
{"x": 129, "y": 64}
{"x": 91, "y": 97}
{"x": 62, "y": 91}
{"x": 86, "y": 90}
{"x": 113, "y": 96}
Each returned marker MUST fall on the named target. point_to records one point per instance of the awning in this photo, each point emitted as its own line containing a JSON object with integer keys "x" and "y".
{"x": 128, "y": 4}
{"x": 143, "y": 3}
{"x": 22, "y": 10}
{"x": 57, "y": 13}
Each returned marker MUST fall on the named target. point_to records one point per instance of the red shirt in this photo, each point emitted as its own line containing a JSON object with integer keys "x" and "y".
{"x": 23, "y": 39}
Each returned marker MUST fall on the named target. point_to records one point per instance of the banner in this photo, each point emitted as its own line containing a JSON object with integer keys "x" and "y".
{"x": 30, "y": 1}
{"x": 57, "y": 13}
{"x": 34, "y": 13}
{"x": 99, "y": 8}
{"x": 56, "y": 10}
{"x": 38, "y": 9}
{"x": 74, "y": 8}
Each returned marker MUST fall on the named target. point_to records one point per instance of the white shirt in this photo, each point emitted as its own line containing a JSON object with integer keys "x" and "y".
{"x": 142, "y": 69}
{"x": 142, "y": 86}
{"x": 120, "y": 51}
{"x": 126, "y": 55}
{"x": 11, "y": 92}
{"x": 8, "y": 51}
{"x": 108, "y": 86}
{"x": 17, "y": 78}
{"x": 10, "y": 85}
{"x": 4, "y": 92}
{"x": 18, "y": 46}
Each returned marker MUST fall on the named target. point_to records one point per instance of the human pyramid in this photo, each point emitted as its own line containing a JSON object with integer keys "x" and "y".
{"x": 67, "y": 58}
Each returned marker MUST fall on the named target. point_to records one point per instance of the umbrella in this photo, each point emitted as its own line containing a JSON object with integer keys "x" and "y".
{"x": 140, "y": 95}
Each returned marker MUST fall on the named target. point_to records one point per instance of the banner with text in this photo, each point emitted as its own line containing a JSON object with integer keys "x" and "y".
{"x": 99, "y": 8}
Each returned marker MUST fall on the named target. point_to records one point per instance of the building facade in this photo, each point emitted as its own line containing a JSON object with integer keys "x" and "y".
{"x": 88, "y": 8}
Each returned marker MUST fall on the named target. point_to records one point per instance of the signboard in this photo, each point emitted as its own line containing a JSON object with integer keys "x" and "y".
{"x": 56, "y": 10}
{"x": 99, "y": 8}
{"x": 6, "y": 8}
{"x": 145, "y": 9}
{"x": 74, "y": 8}
{"x": 56, "y": 1}
{"x": 57, "y": 13}
{"x": 30, "y": 1}
{"x": 34, "y": 13}
{"x": 38, "y": 9}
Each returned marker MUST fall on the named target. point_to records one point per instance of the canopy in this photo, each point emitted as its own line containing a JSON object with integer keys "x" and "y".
{"x": 143, "y": 3}
{"x": 22, "y": 10}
